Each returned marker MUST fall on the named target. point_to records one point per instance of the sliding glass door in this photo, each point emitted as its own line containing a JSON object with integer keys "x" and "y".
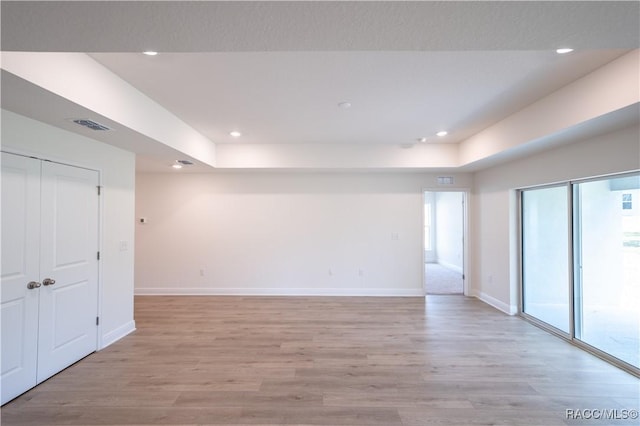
{"x": 545, "y": 226}
{"x": 580, "y": 263}
{"x": 607, "y": 258}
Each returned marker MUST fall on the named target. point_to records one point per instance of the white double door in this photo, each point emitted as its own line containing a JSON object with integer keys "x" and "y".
{"x": 49, "y": 293}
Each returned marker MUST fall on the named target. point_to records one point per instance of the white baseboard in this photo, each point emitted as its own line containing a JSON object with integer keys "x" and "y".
{"x": 498, "y": 304}
{"x": 381, "y": 292}
{"x": 117, "y": 334}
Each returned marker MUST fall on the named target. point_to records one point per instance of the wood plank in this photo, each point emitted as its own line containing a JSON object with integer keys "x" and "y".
{"x": 449, "y": 360}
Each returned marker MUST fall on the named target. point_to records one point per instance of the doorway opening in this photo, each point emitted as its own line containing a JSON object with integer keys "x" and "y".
{"x": 444, "y": 219}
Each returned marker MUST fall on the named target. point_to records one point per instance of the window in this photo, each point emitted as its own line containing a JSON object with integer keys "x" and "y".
{"x": 580, "y": 257}
{"x": 607, "y": 277}
{"x": 545, "y": 250}
{"x": 427, "y": 226}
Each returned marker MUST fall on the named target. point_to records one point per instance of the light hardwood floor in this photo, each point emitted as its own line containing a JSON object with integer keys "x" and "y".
{"x": 328, "y": 361}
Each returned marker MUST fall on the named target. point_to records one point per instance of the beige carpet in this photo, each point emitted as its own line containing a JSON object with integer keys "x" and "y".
{"x": 442, "y": 280}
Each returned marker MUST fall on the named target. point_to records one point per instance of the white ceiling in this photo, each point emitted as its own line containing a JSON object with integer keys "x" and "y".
{"x": 257, "y": 26}
{"x": 276, "y": 71}
{"x": 396, "y": 97}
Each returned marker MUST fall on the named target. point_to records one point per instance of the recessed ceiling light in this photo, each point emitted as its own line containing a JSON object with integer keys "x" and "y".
{"x": 422, "y": 140}
{"x": 442, "y": 133}
{"x": 235, "y": 134}
{"x": 344, "y": 105}
{"x": 150, "y": 52}
{"x": 564, "y": 50}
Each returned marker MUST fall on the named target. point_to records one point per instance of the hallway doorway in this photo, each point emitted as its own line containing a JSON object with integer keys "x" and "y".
{"x": 444, "y": 213}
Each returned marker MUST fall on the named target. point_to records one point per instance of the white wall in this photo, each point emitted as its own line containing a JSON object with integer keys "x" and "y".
{"x": 117, "y": 172}
{"x": 68, "y": 74}
{"x": 449, "y": 229}
{"x": 281, "y": 233}
{"x": 335, "y": 156}
{"x": 607, "y": 89}
{"x": 494, "y": 213}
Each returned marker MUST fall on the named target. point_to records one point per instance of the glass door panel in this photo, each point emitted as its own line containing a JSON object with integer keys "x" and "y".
{"x": 545, "y": 255}
{"x": 607, "y": 270}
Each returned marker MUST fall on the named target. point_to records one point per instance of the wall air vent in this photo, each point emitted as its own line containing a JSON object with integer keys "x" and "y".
{"x": 91, "y": 124}
{"x": 445, "y": 180}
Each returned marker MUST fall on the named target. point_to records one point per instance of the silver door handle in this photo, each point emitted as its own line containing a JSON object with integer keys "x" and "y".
{"x": 33, "y": 284}
{"x": 48, "y": 281}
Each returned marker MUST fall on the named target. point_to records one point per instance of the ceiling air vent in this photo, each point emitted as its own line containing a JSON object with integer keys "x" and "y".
{"x": 185, "y": 162}
{"x": 91, "y": 124}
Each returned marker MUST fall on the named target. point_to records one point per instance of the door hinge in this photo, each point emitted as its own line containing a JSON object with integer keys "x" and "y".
{"x": 97, "y": 320}
{"x": 98, "y": 255}
{"x": 99, "y": 189}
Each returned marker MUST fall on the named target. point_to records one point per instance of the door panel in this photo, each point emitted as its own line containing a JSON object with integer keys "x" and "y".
{"x": 66, "y": 329}
{"x": 68, "y": 308}
{"x": 545, "y": 255}
{"x": 607, "y": 284}
{"x": 19, "y": 305}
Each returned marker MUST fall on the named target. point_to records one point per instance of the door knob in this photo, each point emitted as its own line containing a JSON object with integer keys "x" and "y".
{"x": 33, "y": 284}
{"x": 48, "y": 281}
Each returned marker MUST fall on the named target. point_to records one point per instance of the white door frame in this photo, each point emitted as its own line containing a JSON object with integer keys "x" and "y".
{"x": 466, "y": 192}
